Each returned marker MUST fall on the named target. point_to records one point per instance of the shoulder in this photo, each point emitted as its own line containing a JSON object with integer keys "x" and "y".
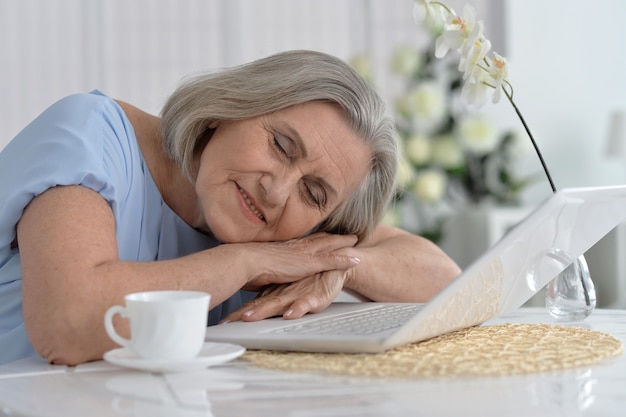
{"x": 80, "y": 121}
{"x": 79, "y": 116}
{"x": 82, "y": 102}
{"x": 81, "y": 139}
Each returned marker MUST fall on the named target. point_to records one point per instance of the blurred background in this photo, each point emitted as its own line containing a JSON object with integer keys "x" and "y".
{"x": 567, "y": 68}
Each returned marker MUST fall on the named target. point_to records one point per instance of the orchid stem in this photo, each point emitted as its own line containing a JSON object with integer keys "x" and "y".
{"x": 545, "y": 169}
{"x": 532, "y": 139}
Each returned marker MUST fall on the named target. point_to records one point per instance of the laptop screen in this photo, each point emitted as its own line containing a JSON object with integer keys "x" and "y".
{"x": 527, "y": 258}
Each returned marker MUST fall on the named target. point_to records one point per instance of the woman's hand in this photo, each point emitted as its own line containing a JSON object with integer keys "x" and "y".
{"x": 293, "y": 260}
{"x": 394, "y": 266}
{"x": 299, "y": 276}
{"x": 293, "y": 300}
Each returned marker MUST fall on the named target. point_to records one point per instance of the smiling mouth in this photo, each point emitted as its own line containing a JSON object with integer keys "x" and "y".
{"x": 251, "y": 206}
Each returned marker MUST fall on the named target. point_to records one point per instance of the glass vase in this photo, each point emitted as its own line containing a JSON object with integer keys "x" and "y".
{"x": 571, "y": 295}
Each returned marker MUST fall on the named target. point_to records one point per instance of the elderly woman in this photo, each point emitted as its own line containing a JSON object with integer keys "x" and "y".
{"x": 262, "y": 185}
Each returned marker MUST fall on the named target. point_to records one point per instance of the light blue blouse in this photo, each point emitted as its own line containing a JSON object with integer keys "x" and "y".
{"x": 86, "y": 139}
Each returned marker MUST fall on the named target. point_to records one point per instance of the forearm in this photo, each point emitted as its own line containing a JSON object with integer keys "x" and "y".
{"x": 401, "y": 267}
{"x": 64, "y": 317}
{"x": 220, "y": 271}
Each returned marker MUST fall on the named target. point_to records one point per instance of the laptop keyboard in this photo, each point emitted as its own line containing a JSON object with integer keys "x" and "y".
{"x": 360, "y": 323}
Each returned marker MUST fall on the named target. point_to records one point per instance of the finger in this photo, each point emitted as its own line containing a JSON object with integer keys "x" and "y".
{"x": 266, "y": 307}
{"x": 299, "y": 308}
{"x": 267, "y": 304}
{"x": 309, "y": 295}
{"x": 236, "y": 315}
{"x": 285, "y": 306}
{"x": 310, "y": 304}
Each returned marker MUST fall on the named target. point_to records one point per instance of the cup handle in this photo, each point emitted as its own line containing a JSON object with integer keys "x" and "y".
{"x": 108, "y": 325}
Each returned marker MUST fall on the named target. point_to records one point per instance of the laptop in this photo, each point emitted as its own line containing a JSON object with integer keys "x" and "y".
{"x": 529, "y": 256}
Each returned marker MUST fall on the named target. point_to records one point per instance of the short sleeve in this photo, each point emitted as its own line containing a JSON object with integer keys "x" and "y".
{"x": 82, "y": 139}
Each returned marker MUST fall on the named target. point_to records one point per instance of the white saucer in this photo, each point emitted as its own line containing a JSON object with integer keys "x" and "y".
{"x": 211, "y": 354}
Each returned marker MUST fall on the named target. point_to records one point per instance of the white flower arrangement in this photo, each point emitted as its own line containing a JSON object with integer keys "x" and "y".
{"x": 481, "y": 72}
{"x": 451, "y": 157}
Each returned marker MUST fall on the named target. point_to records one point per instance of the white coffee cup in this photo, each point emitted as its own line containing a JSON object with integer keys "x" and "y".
{"x": 164, "y": 325}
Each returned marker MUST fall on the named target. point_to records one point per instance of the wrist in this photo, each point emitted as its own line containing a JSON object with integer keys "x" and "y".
{"x": 351, "y": 278}
{"x": 243, "y": 259}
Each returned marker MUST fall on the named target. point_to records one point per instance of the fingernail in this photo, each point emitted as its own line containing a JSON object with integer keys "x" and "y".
{"x": 248, "y": 313}
{"x": 355, "y": 260}
{"x": 288, "y": 313}
{"x": 224, "y": 321}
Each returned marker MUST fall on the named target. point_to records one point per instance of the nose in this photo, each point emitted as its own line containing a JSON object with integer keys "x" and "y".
{"x": 277, "y": 186}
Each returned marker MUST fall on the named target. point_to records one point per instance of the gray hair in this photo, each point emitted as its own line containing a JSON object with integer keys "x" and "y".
{"x": 274, "y": 83}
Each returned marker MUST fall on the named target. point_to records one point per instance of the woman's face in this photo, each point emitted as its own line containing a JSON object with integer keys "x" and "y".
{"x": 276, "y": 176}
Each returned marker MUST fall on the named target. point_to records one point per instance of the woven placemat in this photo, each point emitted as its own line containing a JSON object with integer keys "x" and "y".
{"x": 507, "y": 349}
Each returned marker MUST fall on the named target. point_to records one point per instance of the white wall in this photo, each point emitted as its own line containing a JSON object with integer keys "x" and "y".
{"x": 137, "y": 50}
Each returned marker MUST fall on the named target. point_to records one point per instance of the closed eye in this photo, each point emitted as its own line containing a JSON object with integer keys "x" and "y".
{"x": 315, "y": 194}
{"x": 284, "y": 146}
{"x": 278, "y": 146}
{"x": 313, "y": 191}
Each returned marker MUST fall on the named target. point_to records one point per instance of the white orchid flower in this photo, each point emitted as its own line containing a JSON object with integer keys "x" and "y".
{"x": 458, "y": 31}
{"x": 499, "y": 72}
{"x": 474, "y": 91}
{"x": 470, "y": 62}
{"x": 465, "y": 35}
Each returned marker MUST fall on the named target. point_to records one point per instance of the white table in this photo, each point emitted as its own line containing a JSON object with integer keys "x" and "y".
{"x": 32, "y": 388}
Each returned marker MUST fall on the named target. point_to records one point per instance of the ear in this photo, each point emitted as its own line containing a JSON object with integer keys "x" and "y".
{"x": 213, "y": 124}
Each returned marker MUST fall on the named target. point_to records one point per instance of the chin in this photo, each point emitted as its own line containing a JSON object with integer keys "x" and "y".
{"x": 224, "y": 237}
{"x": 231, "y": 236}
{"x": 237, "y": 235}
